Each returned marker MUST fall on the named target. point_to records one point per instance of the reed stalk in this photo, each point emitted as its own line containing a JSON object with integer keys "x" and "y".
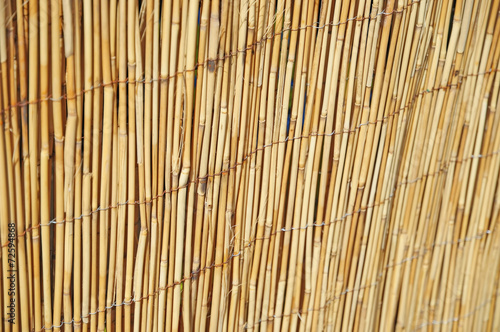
{"x": 87, "y": 163}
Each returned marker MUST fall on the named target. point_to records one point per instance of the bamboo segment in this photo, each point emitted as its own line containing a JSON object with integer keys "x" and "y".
{"x": 269, "y": 165}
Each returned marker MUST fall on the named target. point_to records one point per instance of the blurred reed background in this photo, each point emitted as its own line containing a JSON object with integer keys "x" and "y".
{"x": 267, "y": 165}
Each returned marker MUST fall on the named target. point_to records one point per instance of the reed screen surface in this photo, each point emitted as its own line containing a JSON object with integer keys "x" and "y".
{"x": 270, "y": 165}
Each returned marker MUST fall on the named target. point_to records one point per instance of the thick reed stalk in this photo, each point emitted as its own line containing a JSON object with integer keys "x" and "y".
{"x": 162, "y": 183}
{"x": 87, "y": 160}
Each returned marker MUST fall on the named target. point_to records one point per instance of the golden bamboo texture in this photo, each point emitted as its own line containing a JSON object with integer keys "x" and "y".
{"x": 261, "y": 165}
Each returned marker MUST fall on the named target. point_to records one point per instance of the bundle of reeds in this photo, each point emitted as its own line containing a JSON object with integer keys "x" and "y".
{"x": 266, "y": 165}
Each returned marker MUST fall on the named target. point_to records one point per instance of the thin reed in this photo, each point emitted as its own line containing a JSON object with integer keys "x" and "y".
{"x": 266, "y": 165}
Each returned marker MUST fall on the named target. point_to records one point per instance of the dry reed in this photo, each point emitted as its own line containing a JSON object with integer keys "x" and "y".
{"x": 250, "y": 165}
